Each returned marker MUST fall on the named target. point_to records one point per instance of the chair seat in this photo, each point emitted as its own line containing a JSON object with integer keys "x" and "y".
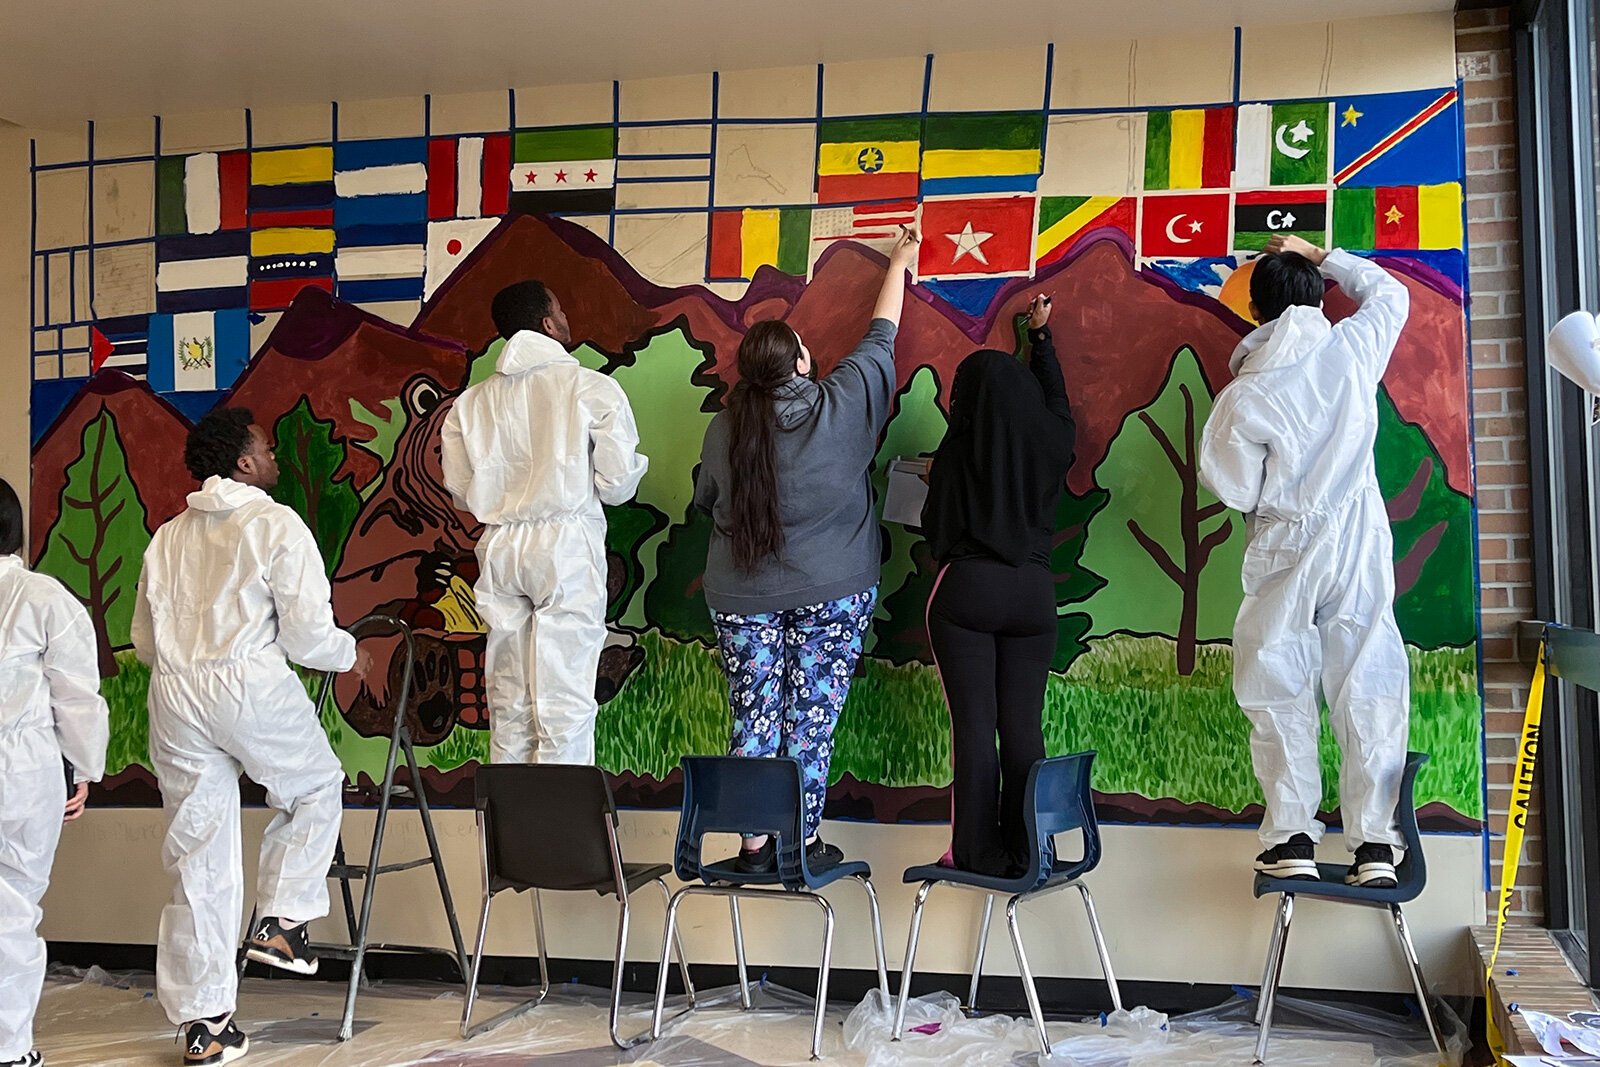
{"x": 1332, "y": 887}
{"x": 725, "y": 872}
{"x": 634, "y": 875}
{"x": 1061, "y": 873}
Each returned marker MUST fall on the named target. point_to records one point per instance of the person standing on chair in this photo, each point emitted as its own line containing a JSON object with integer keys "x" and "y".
{"x": 990, "y": 520}
{"x": 50, "y": 712}
{"x": 233, "y": 591}
{"x": 1289, "y": 443}
{"x": 792, "y": 571}
{"x": 533, "y": 452}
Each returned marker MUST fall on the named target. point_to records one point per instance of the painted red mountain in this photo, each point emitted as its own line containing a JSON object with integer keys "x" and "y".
{"x": 157, "y": 472}
{"x": 337, "y": 355}
{"x": 1116, "y": 328}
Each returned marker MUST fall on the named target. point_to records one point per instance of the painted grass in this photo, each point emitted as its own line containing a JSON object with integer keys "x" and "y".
{"x": 1158, "y": 735}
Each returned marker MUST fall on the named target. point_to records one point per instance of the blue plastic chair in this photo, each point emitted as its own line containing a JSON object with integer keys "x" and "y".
{"x": 744, "y": 795}
{"x": 1410, "y": 877}
{"x": 1058, "y": 800}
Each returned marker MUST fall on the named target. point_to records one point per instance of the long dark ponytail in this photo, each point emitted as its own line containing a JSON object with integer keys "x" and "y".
{"x": 767, "y": 358}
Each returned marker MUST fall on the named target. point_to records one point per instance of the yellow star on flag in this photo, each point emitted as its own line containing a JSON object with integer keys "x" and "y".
{"x": 1351, "y": 115}
{"x": 1394, "y": 215}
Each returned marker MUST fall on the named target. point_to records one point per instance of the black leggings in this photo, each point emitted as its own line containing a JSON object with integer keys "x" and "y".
{"x": 993, "y": 631}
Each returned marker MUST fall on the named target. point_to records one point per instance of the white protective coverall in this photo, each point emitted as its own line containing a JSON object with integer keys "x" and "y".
{"x": 1289, "y": 441}
{"x": 533, "y": 452}
{"x": 233, "y": 590}
{"x": 50, "y": 708}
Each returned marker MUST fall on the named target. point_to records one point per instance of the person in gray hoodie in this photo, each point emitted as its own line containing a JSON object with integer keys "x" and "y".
{"x": 792, "y": 573}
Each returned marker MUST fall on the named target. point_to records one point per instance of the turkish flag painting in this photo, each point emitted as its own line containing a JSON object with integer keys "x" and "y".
{"x": 977, "y": 237}
{"x": 1185, "y": 225}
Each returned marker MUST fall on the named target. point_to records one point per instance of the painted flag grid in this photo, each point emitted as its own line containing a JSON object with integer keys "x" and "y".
{"x": 373, "y": 221}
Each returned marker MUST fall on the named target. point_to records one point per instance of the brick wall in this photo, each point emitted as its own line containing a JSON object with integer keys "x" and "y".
{"x": 1500, "y": 419}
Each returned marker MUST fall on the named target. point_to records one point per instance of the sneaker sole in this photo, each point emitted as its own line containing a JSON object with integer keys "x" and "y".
{"x": 1304, "y": 870}
{"x": 305, "y": 968}
{"x": 228, "y": 1055}
{"x": 1380, "y": 878}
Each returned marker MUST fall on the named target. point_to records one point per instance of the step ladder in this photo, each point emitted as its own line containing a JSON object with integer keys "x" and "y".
{"x": 367, "y": 873}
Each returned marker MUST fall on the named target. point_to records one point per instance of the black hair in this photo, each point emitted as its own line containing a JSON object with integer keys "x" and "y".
{"x": 1283, "y": 280}
{"x": 217, "y": 441}
{"x": 523, "y": 306}
{"x": 767, "y": 358}
{"x": 10, "y": 520}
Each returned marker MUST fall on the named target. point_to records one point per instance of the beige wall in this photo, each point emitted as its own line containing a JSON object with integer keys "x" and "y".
{"x": 15, "y": 344}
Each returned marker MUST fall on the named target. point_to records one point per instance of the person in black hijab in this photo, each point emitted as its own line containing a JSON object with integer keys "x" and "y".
{"x": 990, "y": 520}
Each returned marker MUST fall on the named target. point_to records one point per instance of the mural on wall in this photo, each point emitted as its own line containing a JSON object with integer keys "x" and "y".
{"x": 341, "y": 291}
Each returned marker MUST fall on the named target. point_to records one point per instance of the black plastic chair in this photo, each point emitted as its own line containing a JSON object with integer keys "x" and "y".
{"x": 1410, "y": 877}
{"x": 1058, "y": 800}
{"x": 554, "y": 827}
{"x": 745, "y": 795}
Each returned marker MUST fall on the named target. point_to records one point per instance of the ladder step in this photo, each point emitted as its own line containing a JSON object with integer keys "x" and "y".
{"x": 359, "y": 870}
{"x": 348, "y": 952}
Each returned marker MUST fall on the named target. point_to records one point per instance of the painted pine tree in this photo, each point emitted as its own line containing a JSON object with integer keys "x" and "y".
{"x": 309, "y": 459}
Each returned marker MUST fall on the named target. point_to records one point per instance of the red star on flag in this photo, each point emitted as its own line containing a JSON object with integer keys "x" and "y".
{"x": 590, "y": 174}
{"x": 532, "y": 177}
{"x": 561, "y": 175}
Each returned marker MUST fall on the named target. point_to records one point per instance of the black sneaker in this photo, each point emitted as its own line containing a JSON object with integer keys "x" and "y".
{"x": 820, "y": 856}
{"x": 1295, "y": 859}
{"x": 1373, "y": 868}
{"x": 287, "y": 950}
{"x": 207, "y": 1041}
{"x": 32, "y": 1059}
{"x": 763, "y": 860}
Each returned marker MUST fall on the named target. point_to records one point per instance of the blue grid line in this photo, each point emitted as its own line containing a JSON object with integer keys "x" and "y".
{"x": 616, "y": 136}
{"x": 711, "y": 185}
{"x": 1238, "y": 57}
{"x": 89, "y": 281}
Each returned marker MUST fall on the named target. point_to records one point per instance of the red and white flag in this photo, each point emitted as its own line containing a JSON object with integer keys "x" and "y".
{"x": 977, "y": 237}
{"x": 1185, "y": 225}
{"x": 467, "y": 176}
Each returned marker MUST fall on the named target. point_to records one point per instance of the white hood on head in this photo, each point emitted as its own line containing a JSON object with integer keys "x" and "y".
{"x": 1284, "y": 340}
{"x": 223, "y": 494}
{"x": 528, "y": 350}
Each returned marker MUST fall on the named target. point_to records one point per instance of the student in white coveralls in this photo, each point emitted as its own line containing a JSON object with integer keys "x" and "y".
{"x": 533, "y": 452}
{"x": 1289, "y": 442}
{"x": 234, "y": 591}
{"x": 50, "y": 711}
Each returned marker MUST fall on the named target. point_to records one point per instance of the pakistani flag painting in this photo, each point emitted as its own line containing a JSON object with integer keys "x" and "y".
{"x": 1283, "y": 144}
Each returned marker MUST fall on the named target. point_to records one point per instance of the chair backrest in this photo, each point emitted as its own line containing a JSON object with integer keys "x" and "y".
{"x": 547, "y": 826}
{"x": 742, "y": 795}
{"x": 1412, "y": 873}
{"x": 1059, "y": 800}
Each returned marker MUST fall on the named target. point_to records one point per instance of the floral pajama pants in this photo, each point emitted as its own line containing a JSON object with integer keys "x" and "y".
{"x": 788, "y": 675}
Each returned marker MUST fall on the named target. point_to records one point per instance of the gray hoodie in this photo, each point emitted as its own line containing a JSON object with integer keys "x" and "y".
{"x": 828, "y": 437}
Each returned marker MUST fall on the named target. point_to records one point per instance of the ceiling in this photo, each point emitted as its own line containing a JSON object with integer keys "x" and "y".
{"x": 68, "y": 60}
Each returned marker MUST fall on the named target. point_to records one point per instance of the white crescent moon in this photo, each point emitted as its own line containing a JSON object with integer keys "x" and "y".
{"x": 1171, "y": 226}
{"x": 1286, "y": 148}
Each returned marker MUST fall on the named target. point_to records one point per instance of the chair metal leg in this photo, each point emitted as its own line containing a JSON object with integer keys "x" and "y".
{"x": 978, "y": 953}
{"x": 616, "y": 978}
{"x": 1273, "y": 945}
{"x": 822, "y": 976}
{"x": 1028, "y": 986}
{"x": 738, "y": 954}
{"x": 1269, "y": 992}
{"x": 369, "y": 888}
{"x": 477, "y": 967}
{"x": 1100, "y": 947}
{"x": 667, "y": 932}
{"x": 877, "y": 936}
{"x": 544, "y": 952}
{"x": 911, "y": 958}
{"x": 683, "y": 957}
{"x": 1414, "y": 965}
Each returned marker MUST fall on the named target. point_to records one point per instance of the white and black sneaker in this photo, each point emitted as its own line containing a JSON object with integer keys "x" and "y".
{"x": 286, "y": 948}
{"x": 32, "y": 1059}
{"x": 209, "y": 1041}
{"x": 1296, "y": 858}
{"x": 1373, "y": 868}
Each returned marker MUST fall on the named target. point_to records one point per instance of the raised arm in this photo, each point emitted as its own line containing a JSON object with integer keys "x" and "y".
{"x": 1382, "y": 303}
{"x": 902, "y": 257}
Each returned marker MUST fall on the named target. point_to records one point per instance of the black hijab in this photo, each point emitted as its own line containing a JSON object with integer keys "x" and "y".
{"x": 998, "y": 473}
